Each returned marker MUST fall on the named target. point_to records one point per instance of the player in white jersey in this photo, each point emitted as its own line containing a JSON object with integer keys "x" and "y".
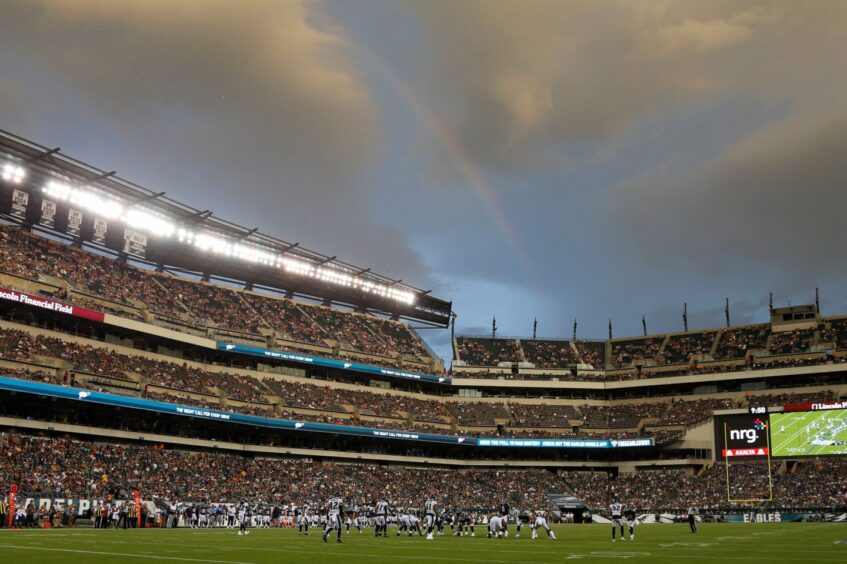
{"x": 303, "y": 519}
{"x": 381, "y": 519}
{"x": 616, "y": 514}
{"x": 495, "y": 526}
{"x": 334, "y": 515}
{"x": 539, "y": 521}
{"x": 430, "y": 516}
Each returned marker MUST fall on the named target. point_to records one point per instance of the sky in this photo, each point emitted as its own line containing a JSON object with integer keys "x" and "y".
{"x": 558, "y": 160}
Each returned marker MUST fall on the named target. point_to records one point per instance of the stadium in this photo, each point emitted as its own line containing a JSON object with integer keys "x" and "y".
{"x": 175, "y": 386}
{"x": 112, "y": 387}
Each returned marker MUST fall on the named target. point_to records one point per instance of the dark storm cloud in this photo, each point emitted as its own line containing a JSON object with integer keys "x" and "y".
{"x": 520, "y": 81}
{"x": 720, "y": 122}
{"x": 773, "y": 202}
{"x": 253, "y": 109}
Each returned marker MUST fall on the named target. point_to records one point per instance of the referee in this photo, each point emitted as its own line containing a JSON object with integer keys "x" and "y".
{"x": 4, "y": 512}
{"x": 692, "y": 519}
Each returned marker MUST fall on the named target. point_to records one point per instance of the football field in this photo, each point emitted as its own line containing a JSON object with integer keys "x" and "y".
{"x": 809, "y": 433}
{"x": 737, "y": 542}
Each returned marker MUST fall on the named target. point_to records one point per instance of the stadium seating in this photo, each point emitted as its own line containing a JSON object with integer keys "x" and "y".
{"x": 202, "y": 304}
{"x": 75, "y": 468}
{"x": 619, "y": 416}
{"x": 548, "y": 416}
{"x": 478, "y": 414}
{"x": 839, "y": 333}
{"x": 592, "y": 353}
{"x": 792, "y": 342}
{"x": 627, "y": 351}
{"x": 737, "y": 341}
{"x": 694, "y": 411}
{"x": 549, "y": 354}
{"x": 486, "y": 352}
{"x": 681, "y": 347}
{"x": 811, "y": 485}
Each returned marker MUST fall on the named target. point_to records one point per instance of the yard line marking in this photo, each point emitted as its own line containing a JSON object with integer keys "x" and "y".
{"x": 130, "y": 555}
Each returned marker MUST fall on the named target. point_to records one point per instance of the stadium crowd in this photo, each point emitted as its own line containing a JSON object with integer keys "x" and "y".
{"x": 628, "y": 351}
{"x": 55, "y": 467}
{"x": 29, "y": 256}
{"x": 812, "y": 485}
{"x": 549, "y": 354}
{"x": 619, "y": 416}
{"x": 478, "y": 351}
{"x": 680, "y": 348}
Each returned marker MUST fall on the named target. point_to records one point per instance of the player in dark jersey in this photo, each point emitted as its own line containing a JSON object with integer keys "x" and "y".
{"x": 466, "y": 523}
{"x": 443, "y": 517}
{"x": 523, "y": 519}
{"x": 504, "y": 516}
{"x": 629, "y": 518}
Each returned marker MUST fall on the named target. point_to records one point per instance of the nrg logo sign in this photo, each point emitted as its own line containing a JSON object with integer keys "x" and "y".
{"x": 748, "y": 435}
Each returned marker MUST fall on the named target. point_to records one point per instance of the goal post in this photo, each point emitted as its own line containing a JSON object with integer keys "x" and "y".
{"x": 729, "y": 455}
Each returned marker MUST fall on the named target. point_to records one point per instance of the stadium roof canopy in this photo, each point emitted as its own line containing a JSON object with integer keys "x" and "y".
{"x": 174, "y": 236}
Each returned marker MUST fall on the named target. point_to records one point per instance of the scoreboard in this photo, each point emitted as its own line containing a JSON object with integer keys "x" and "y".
{"x": 814, "y": 429}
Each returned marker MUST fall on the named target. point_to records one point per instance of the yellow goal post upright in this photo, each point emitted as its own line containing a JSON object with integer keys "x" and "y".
{"x": 727, "y": 464}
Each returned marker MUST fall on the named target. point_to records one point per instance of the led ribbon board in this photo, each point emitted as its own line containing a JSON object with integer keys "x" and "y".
{"x": 331, "y": 363}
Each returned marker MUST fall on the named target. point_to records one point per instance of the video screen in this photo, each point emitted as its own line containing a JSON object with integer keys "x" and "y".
{"x": 809, "y": 433}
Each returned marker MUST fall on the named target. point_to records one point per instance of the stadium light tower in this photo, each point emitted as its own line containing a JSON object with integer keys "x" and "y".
{"x": 13, "y": 173}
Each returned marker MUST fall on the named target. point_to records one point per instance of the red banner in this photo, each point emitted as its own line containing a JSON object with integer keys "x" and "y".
{"x": 137, "y": 496}
{"x": 52, "y": 305}
{"x": 13, "y": 494}
{"x": 822, "y": 406}
{"x": 758, "y": 451}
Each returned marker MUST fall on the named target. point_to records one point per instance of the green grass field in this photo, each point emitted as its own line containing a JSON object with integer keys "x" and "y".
{"x": 737, "y": 542}
{"x": 809, "y": 433}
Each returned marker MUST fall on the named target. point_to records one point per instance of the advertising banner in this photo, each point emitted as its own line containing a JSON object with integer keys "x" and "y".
{"x": 13, "y": 494}
{"x": 48, "y": 213}
{"x": 100, "y": 228}
{"x": 49, "y": 304}
{"x": 135, "y": 243}
{"x": 137, "y": 497}
{"x": 20, "y": 201}
{"x": 744, "y": 435}
{"x": 74, "y": 222}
